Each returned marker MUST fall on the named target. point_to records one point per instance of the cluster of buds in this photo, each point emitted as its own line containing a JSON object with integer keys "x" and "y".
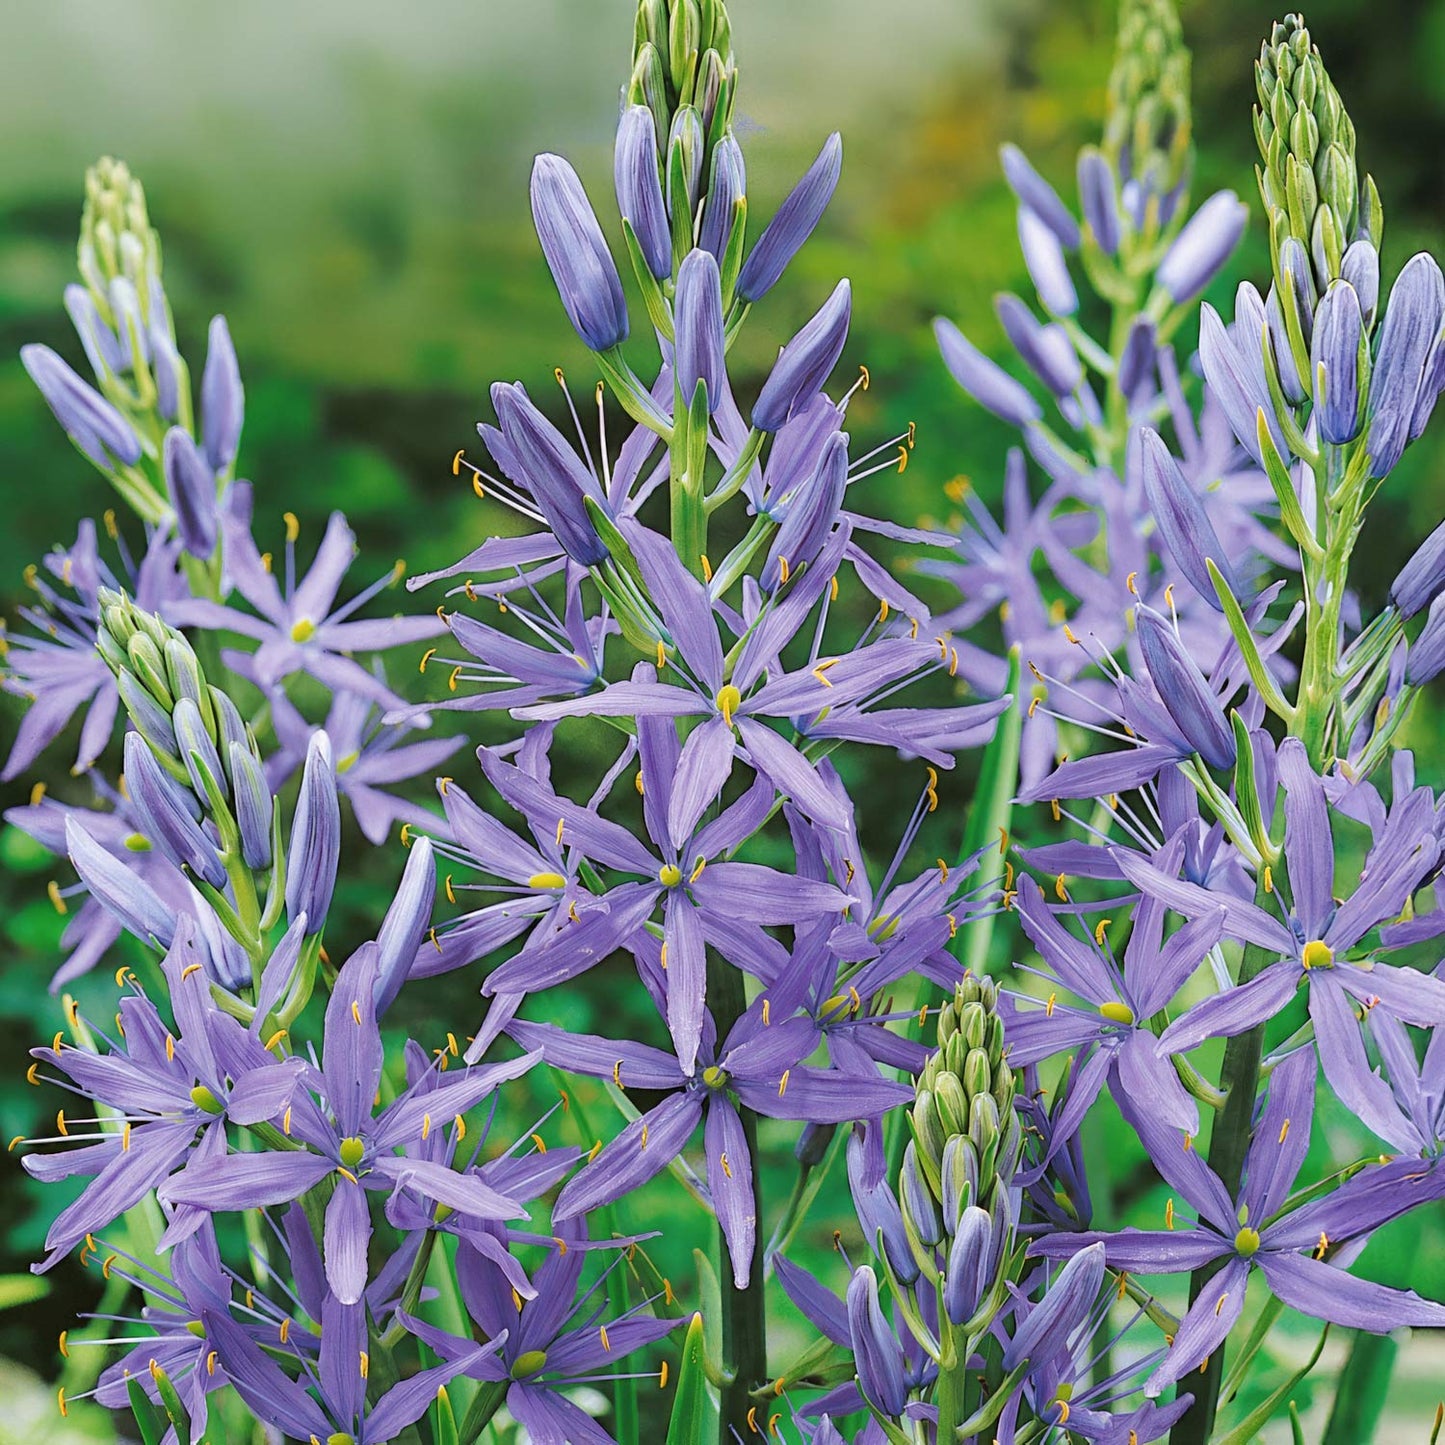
{"x": 1148, "y": 136}
{"x": 136, "y": 423}
{"x": 957, "y": 1176}
{"x": 199, "y": 795}
{"x": 1309, "y": 180}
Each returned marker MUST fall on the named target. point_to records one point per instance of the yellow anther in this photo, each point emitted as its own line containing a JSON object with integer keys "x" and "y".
{"x": 426, "y": 657}
{"x": 61, "y": 1126}
{"x": 883, "y": 610}
{"x": 902, "y": 459}
{"x": 60, "y": 1400}
{"x": 293, "y": 525}
{"x": 109, "y": 1260}
{"x": 449, "y": 890}
{"x": 365, "y": 1365}
{"x": 867, "y": 379}
{"x": 783, "y": 1083}
{"x": 1284, "y": 1131}
{"x": 833, "y": 588}
{"x": 617, "y": 1073}
{"x": 189, "y": 969}
{"x": 125, "y": 1139}
{"x": 286, "y": 1120}
{"x": 1100, "y": 929}
{"x": 767, "y": 1012}
{"x": 643, "y": 1136}
{"x": 822, "y": 668}
{"x": 477, "y": 486}
{"x": 706, "y": 567}
{"x": 211, "y": 1358}
{"x": 697, "y": 872}
{"x": 284, "y": 1332}
{"x": 541, "y": 1144}
{"x": 356, "y": 1010}
{"x": 662, "y": 1376}
{"x": 457, "y": 461}
{"x": 912, "y": 433}
{"x": 727, "y": 1168}
{"x": 1129, "y": 582}
{"x": 452, "y": 678}
{"x": 1060, "y": 889}
{"x": 1049, "y": 1006}
{"x": 72, "y": 1010}
{"x": 18, "y": 1139}
{"x": 661, "y": 654}
{"x": 460, "y": 1125}
{"x": 783, "y": 570}
{"x": 52, "y": 889}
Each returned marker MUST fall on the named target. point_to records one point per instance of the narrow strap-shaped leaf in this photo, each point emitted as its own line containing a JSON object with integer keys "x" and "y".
{"x": 1246, "y": 790}
{"x": 1248, "y": 1428}
{"x": 1277, "y": 470}
{"x": 692, "y": 1416}
{"x": 1363, "y": 1388}
{"x": 1259, "y": 674}
{"x": 710, "y": 1294}
{"x": 148, "y": 1420}
{"x": 652, "y": 297}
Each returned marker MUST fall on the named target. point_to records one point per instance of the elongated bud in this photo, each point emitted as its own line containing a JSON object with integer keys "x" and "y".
{"x": 966, "y": 1279}
{"x": 1426, "y": 660}
{"x": 1203, "y": 246}
{"x": 1068, "y": 1299}
{"x": 91, "y": 422}
{"x": 254, "y": 806}
{"x": 876, "y": 1352}
{"x": 539, "y": 459}
{"x": 119, "y": 891}
{"x": 794, "y": 222}
{"x": 727, "y": 185}
{"x": 637, "y": 172}
{"x": 1099, "y": 197}
{"x": 1361, "y": 268}
{"x": 192, "y": 486}
{"x": 1338, "y": 358}
{"x": 582, "y": 267}
{"x": 1136, "y": 363}
{"x": 1049, "y": 271}
{"x": 223, "y": 398}
{"x": 875, "y": 1203}
{"x": 1184, "y": 525}
{"x": 1236, "y": 379}
{"x": 315, "y": 837}
{"x": 405, "y": 923}
{"x": 1039, "y": 196}
{"x": 199, "y": 754}
{"x": 920, "y": 1208}
{"x": 984, "y": 380}
{"x": 697, "y": 314}
{"x": 805, "y": 363}
{"x": 105, "y": 351}
{"x": 118, "y": 242}
{"x": 1184, "y": 691}
{"x": 1422, "y": 578}
{"x": 1410, "y": 329}
{"x": 1046, "y": 350}
{"x": 811, "y": 515}
{"x": 165, "y": 814}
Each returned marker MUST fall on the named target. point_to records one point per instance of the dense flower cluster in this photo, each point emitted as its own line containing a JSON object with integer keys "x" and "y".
{"x": 706, "y": 599}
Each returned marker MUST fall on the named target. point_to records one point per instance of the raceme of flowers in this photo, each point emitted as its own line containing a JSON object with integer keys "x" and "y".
{"x": 1183, "y": 724}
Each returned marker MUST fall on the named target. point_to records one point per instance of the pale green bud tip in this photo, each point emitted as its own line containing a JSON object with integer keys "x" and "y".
{"x": 117, "y": 239}
{"x": 1149, "y": 124}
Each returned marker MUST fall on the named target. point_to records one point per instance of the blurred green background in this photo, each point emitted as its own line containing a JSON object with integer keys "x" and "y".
{"x": 348, "y": 184}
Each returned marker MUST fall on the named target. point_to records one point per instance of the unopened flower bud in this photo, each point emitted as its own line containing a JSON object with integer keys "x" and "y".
{"x": 639, "y": 188}
{"x": 698, "y": 317}
{"x": 794, "y": 222}
{"x": 315, "y": 837}
{"x": 1411, "y": 326}
{"x": 223, "y": 398}
{"x": 91, "y": 422}
{"x": 806, "y": 362}
{"x": 582, "y": 267}
{"x": 1203, "y": 246}
{"x": 254, "y": 806}
{"x": 1183, "y": 690}
{"x": 1338, "y": 357}
{"x": 1039, "y": 196}
{"x": 727, "y": 186}
{"x": 1049, "y": 271}
{"x": 1099, "y": 198}
{"x": 165, "y": 814}
{"x": 984, "y": 380}
{"x": 876, "y": 1351}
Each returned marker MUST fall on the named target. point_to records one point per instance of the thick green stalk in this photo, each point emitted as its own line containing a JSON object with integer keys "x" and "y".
{"x": 744, "y": 1320}
{"x": 1363, "y": 1388}
{"x": 1228, "y": 1145}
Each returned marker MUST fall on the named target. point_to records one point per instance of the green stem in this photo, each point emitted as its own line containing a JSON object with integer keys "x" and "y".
{"x": 744, "y": 1319}
{"x": 1239, "y": 1077}
{"x": 1362, "y": 1391}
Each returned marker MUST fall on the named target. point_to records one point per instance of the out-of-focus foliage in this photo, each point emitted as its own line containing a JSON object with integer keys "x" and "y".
{"x": 348, "y": 186}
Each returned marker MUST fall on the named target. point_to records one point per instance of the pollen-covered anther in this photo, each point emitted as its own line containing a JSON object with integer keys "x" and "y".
{"x": 1317, "y": 954}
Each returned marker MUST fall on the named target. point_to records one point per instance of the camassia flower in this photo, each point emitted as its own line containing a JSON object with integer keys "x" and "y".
{"x": 759, "y": 1065}
{"x": 336, "y": 1132}
{"x": 301, "y": 628}
{"x": 545, "y": 1341}
{"x": 1314, "y": 940}
{"x": 168, "y": 1094}
{"x": 702, "y": 901}
{"x": 1113, "y": 1040}
{"x": 1258, "y": 1231}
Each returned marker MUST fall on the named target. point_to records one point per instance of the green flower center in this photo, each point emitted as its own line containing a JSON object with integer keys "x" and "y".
{"x": 669, "y": 875}
{"x": 546, "y": 880}
{"x": 714, "y": 1077}
{"x": 728, "y": 701}
{"x": 1317, "y": 954}
{"x": 1117, "y": 1013}
{"x": 206, "y": 1101}
{"x": 303, "y": 630}
{"x": 351, "y": 1152}
{"x": 529, "y": 1363}
{"x": 1246, "y": 1242}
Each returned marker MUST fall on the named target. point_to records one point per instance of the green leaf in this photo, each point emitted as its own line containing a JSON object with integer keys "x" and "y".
{"x": 1248, "y": 1428}
{"x": 990, "y": 816}
{"x": 21, "y": 1289}
{"x": 710, "y": 1292}
{"x": 1246, "y": 790}
{"x": 149, "y": 1421}
{"x": 1290, "y": 510}
{"x": 444, "y": 1423}
{"x": 1363, "y": 1388}
{"x": 693, "y": 1414}
{"x": 1259, "y": 674}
